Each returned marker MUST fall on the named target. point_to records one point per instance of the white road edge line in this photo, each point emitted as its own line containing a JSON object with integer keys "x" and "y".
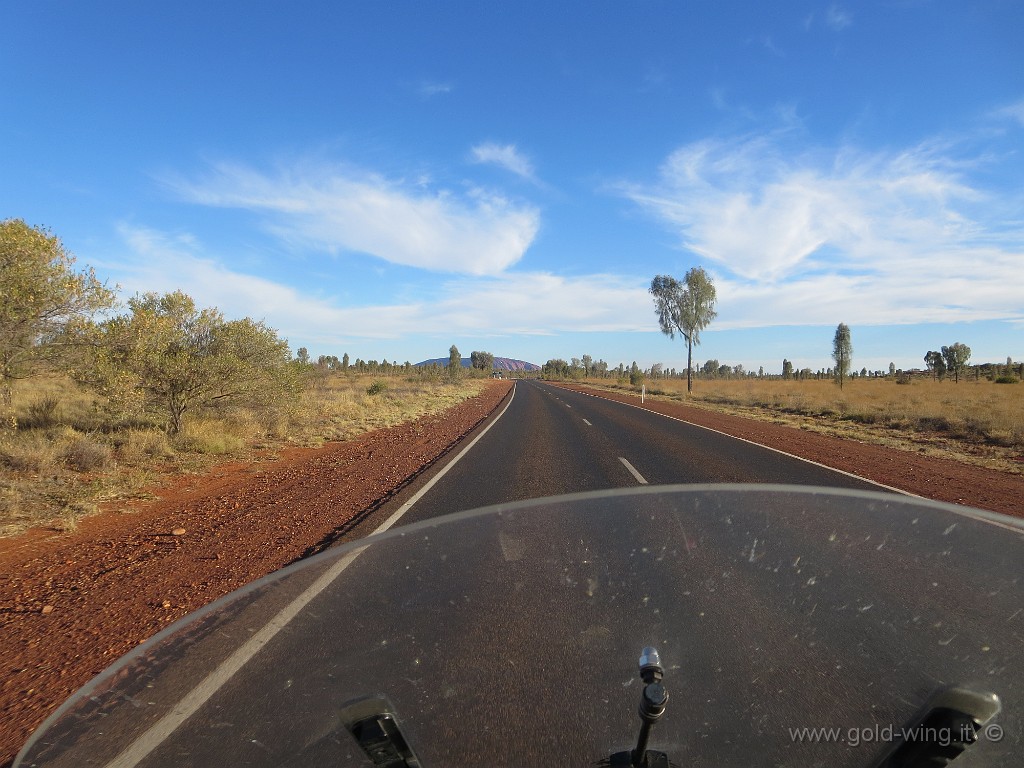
{"x": 632, "y": 470}
{"x": 139, "y": 749}
{"x": 587, "y": 423}
{"x": 760, "y": 445}
{"x": 965, "y": 511}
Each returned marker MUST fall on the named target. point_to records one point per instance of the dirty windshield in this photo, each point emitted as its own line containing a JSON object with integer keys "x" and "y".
{"x": 793, "y": 627}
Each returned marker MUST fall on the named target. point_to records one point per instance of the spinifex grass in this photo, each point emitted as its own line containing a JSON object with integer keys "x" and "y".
{"x": 66, "y": 455}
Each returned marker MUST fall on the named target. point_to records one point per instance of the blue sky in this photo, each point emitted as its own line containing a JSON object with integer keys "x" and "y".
{"x": 389, "y": 178}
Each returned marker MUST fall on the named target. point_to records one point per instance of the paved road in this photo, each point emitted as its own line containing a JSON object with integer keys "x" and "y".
{"x": 553, "y": 441}
{"x": 510, "y": 638}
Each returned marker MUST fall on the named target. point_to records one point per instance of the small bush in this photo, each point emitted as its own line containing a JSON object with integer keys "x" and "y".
{"x": 42, "y": 413}
{"x": 11, "y": 501}
{"x": 1004, "y": 379}
{"x": 86, "y": 454}
{"x": 32, "y": 452}
{"x": 208, "y": 437}
{"x": 377, "y": 387}
{"x": 864, "y": 417}
{"x": 146, "y": 443}
{"x": 937, "y": 423}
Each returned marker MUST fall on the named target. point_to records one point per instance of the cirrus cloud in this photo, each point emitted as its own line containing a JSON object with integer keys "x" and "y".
{"x": 505, "y": 156}
{"x": 803, "y": 236}
{"x": 335, "y": 210}
{"x": 526, "y": 303}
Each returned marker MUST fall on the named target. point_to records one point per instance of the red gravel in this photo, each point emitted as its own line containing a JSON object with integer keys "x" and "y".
{"x": 121, "y": 578}
{"x": 70, "y": 604}
{"x": 927, "y": 476}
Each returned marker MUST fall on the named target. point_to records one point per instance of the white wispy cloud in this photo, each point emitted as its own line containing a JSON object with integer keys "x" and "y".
{"x": 161, "y": 262}
{"x": 335, "y": 210}
{"x": 1013, "y": 111}
{"x": 428, "y": 89}
{"x": 838, "y": 18}
{"x": 770, "y": 45}
{"x": 505, "y": 156}
{"x": 532, "y": 304}
{"x": 806, "y": 237}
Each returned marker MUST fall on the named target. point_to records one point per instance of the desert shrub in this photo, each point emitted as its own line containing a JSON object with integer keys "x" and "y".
{"x": 1004, "y": 379}
{"x": 169, "y": 359}
{"x": 10, "y": 501}
{"x": 140, "y": 444}
{"x": 937, "y": 423}
{"x": 32, "y": 452}
{"x": 864, "y": 417}
{"x": 377, "y": 387}
{"x": 208, "y": 436}
{"x": 85, "y": 454}
{"x": 42, "y": 413}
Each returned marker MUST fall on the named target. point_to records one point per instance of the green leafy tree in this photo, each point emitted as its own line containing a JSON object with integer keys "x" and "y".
{"x": 330, "y": 362}
{"x": 43, "y": 302}
{"x": 787, "y": 369}
{"x": 454, "y": 367}
{"x": 686, "y": 307}
{"x": 588, "y": 365}
{"x": 636, "y": 376}
{"x": 555, "y": 368}
{"x": 166, "y": 358}
{"x": 842, "y": 353}
{"x": 481, "y": 361}
{"x": 956, "y": 356}
{"x": 936, "y": 364}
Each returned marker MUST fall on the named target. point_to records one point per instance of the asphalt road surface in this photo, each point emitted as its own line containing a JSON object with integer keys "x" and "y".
{"x": 511, "y": 638}
{"x": 553, "y": 441}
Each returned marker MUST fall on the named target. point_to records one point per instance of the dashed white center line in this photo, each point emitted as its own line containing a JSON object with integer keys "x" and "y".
{"x": 632, "y": 470}
{"x": 587, "y": 423}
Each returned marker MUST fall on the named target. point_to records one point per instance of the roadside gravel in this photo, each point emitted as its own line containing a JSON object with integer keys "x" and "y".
{"x": 70, "y": 604}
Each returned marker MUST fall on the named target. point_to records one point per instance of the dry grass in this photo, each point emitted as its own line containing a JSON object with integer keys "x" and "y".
{"x": 66, "y": 457}
{"x": 975, "y": 421}
{"x": 342, "y": 407}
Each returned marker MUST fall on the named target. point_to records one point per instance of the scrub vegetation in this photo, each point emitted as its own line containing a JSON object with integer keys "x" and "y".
{"x": 99, "y": 401}
{"x": 977, "y": 419}
{"x": 68, "y": 454}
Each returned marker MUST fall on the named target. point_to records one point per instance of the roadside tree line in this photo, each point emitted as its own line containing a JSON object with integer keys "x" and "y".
{"x": 686, "y": 307}
{"x": 157, "y": 359}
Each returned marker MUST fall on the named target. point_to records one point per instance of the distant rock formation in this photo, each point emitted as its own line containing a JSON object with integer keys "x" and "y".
{"x": 500, "y": 364}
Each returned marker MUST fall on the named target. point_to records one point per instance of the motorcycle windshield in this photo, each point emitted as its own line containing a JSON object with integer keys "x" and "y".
{"x": 796, "y": 627}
